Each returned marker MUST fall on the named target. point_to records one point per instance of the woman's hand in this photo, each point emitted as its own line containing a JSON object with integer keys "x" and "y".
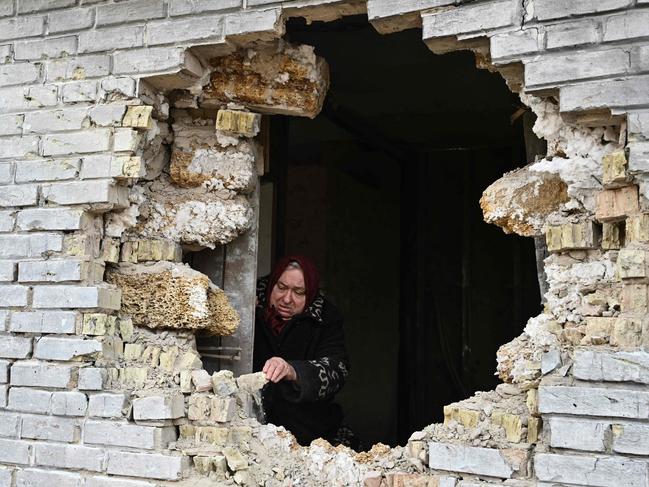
{"x": 277, "y": 369}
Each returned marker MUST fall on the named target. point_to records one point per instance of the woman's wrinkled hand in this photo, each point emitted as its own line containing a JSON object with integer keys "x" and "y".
{"x": 277, "y": 369}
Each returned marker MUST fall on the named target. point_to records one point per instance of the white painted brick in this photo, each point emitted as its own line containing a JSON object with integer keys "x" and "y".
{"x": 575, "y": 35}
{"x": 551, "y": 9}
{"x": 177, "y": 31}
{"x": 91, "y": 379}
{"x": 638, "y": 157}
{"x": 18, "y": 195}
{"x": 108, "y": 405}
{"x": 4, "y": 371}
{"x": 578, "y": 434}
{"x": 49, "y": 121}
{"x": 46, "y": 48}
{"x": 79, "y": 91}
{"x": 31, "y": 477}
{"x": 126, "y": 140}
{"x": 96, "y": 191}
{"x": 113, "y": 433}
{"x": 6, "y": 477}
{"x": 33, "y": 245}
{"x": 122, "y": 86}
{"x": 12, "y": 295}
{"x": 608, "y": 93}
{"x": 471, "y": 18}
{"x": 43, "y": 322}
{"x": 12, "y": 451}
{"x": 47, "y": 170}
{"x": 43, "y": 374}
{"x": 54, "y": 270}
{"x": 3, "y": 395}
{"x": 69, "y": 456}
{"x": 90, "y": 140}
{"x": 7, "y": 221}
{"x": 594, "y": 401}
{"x": 18, "y": 98}
{"x": 146, "y": 465}
{"x": 639, "y": 61}
{"x": 26, "y": 6}
{"x": 101, "y": 166}
{"x": 155, "y": 59}
{"x": 6, "y": 173}
{"x": 52, "y": 219}
{"x": 19, "y": 27}
{"x": 591, "y": 470}
{"x": 258, "y": 21}
{"x": 19, "y": 74}
{"x": 629, "y": 25}
{"x": 467, "y": 459}
{"x": 631, "y": 438}
{"x": 10, "y": 425}
{"x": 112, "y": 38}
{"x": 4, "y": 315}
{"x": 612, "y": 366}
{"x": 69, "y": 403}
{"x": 11, "y": 124}
{"x": 7, "y": 8}
{"x": 54, "y": 348}
{"x": 108, "y": 115}
{"x": 159, "y": 407}
{"x": 75, "y": 297}
{"x": 516, "y": 43}
{"x": 78, "y": 68}
{"x": 7, "y": 271}
{"x": 130, "y": 11}
{"x": 62, "y": 21}
{"x": 115, "y": 482}
{"x": 183, "y": 7}
{"x": 18, "y": 146}
{"x": 29, "y": 400}
{"x": 565, "y": 68}
{"x": 5, "y": 53}
{"x": 50, "y": 428}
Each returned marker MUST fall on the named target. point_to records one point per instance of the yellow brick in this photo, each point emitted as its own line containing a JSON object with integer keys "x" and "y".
{"x": 126, "y": 329}
{"x": 133, "y": 351}
{"x": 168, "y": 358}
{"x": 533, "y": 401}
{"x": 614, "y": 168}
{"x": 187, "y": 431}
{"x": 138, "y": 117}
{"x": 466, "y": 417}
{"x": 533, "y": 429}
{"x": 110, "y": 250}
{"x": 238, "y": 122}
{"x": 611, "y": 236}
{"x": 553, "y": 238}
{"x": 627, "y": 332}
{"x": 512, "y": 424}
{"x": 637, "y": 228}
{"x": 98, "y": 324}
{"x": 635, "y": 298}
{"x": 598, "y": 330}
{"x": 631, "y": 263}
{"x": 133, "y": 376}
{"x": 131, "y": 167}
{"x": 212, "y": 434}
{"x": 129, "y": 252}
{"x": 571, "y": 236}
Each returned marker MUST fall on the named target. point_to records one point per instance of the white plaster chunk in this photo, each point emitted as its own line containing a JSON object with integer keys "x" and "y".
{"x": 594, "y": 401}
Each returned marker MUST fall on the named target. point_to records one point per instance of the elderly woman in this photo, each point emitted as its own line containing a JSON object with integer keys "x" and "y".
{"x": 300, "y": 346}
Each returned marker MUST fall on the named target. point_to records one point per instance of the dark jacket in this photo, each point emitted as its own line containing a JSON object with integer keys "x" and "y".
{"x": 313, "y": 343}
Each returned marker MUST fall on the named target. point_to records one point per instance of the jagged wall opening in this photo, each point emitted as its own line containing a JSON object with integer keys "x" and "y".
{"x": 382, "y": 190}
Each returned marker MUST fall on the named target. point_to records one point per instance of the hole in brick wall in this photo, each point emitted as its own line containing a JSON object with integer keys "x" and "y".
{"x": 382, "y": 190}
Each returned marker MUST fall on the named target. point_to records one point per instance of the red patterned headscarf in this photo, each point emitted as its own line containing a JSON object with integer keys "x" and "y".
{"x": 311, "y": 285}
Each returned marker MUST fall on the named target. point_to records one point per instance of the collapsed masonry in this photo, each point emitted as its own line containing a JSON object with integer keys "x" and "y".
{"x": 111, "y": 164}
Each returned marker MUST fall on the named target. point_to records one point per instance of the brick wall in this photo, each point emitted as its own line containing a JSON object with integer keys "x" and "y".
{"x": 87, "y": 398}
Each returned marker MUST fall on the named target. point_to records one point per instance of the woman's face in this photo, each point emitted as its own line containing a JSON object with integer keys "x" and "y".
{"x": 289, "y": 294}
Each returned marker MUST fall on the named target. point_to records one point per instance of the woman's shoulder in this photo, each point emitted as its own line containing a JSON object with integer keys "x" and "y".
{"x": 323, "y": 311}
